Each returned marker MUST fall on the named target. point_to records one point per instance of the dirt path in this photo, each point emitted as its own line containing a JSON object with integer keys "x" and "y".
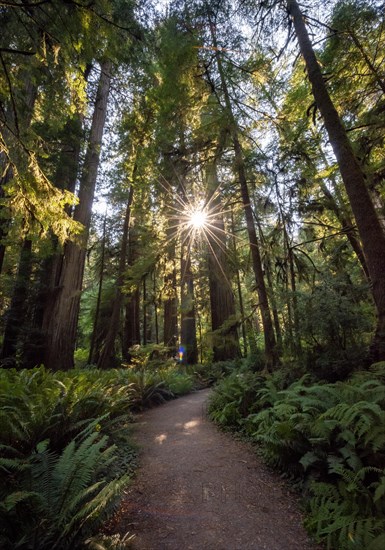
{"x": 198, "y": 488}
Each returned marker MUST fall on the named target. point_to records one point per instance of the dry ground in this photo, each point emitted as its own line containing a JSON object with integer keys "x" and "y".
{"x": 198, "y": 488}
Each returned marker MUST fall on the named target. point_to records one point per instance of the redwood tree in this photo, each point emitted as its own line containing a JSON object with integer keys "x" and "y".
{"x": 354, "y": 178}
{"x": 223, "y": 316}
{"x": 240, "y": 169}
{"x": 61, "y": 322}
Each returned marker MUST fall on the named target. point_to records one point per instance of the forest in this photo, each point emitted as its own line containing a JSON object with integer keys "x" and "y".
{"x": 191, "y": 194}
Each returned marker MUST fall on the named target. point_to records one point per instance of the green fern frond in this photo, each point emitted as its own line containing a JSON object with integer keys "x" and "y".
{"x": 110, "y": 491}
{"x": 12, "y": 500}
{"x": 112, "y": 542}
{"x": 380, "y": 487}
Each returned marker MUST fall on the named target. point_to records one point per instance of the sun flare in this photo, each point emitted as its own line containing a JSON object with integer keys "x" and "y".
{"x": 197, "y": 219}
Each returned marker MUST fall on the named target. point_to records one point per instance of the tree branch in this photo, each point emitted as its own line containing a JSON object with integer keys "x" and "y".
{"x": 19, "y": 52}
{"x": 11, "y": 94}
{"x": 23, "y": 4}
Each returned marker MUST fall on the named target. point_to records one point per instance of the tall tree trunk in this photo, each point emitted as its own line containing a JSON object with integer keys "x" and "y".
{"x": 61, "y": 324}
{"x": 293, "y": 285}
{"x": 4, "y": 222}
{"x": 292, "y": 305}
{"x": 50, "y": 267}
{"x": 368, "y": 225}
{"x": 348, "y": 228}
{"x": 269, "y": 336}
{"x": 273, "y": 303}
{"x": 65, "y": 178}
{"x": 170, "y": 304}
{"x": 176, "y": 168}
{"x": 337, "y": 205}
{"x": 148, "y": 311}
{"x": 239, "y": 287}
{"x": 145, "y": 313}
{"x": 99, "y": 296}
{"x": 131, "y": 336}
{"x": 131, "y": 332}
{"x": 188, "y": 336}
{"x": 223, "y": 317}
{"x": 107, "y": 355}
{"x": 155, "y": 303}
{"x": 17, "y": 311}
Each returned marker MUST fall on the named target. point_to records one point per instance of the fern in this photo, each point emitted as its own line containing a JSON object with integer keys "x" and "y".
{"x": 340, "y": 520}
{"x": 65, "y": 496}
{"x": 330, "y": 436}
{"x": 56, "y": 457}
{"x": 54, "y": 434}
{"x": 112, "y": 542}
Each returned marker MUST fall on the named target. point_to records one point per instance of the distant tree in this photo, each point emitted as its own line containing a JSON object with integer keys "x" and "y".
{"x": 240, "y": 169}
{"x": 223, "y": 315}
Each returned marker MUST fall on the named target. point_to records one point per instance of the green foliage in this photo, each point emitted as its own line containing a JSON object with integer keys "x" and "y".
{"x": 207, "y": 374}
{"x": 62, "y": 471}
{"x": 151, "y": 357}
{"x": 64, "y": 498}
{"x": 37, "y": 405}
{"x": 149, "y": 389}
{"x": 179, "y": 383}
{"x": 109, "y": 542}
{"x": 81, "y": 358}
{"x": 65, "y": 448}
{"x": 329, "y": 437}
{"x": 337, "y": 515}
{"x": 154, "y": 377}
{"x": 335, "y": 327}
{"x": 234, "y": 398}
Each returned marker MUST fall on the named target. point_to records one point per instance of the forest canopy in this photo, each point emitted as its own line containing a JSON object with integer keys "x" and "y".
{"x": 206, "y": 176}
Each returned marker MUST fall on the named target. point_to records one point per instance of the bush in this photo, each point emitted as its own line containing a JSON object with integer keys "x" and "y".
{"x": 206, "y": 375}
{"x": 234, "y": 398}
{"x": 57, "y": 498}
{"x": 179, "y": 383}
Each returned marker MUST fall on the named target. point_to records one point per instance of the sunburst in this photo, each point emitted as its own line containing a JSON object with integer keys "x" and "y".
{"x": 197, "y": 219}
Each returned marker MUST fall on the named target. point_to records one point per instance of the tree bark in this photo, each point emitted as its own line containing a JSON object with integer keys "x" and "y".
{"x": 368, "y": 224}
{"x": 188, "y": 335}
{"x": 61, "y": 324}
{"x": 225, "y": 339}
{"x": 239, "y": 287}
{"x": 131, "y": 325}
{"x": 269, "y": 336}
{"x": 131, "y": 333}
{"x": 99, "y": 296}
{"x": 16, "y": 314}
{"x": 170, "y": 301}
{"x": 107, "y": 355}
{"x": 155, "y": 304}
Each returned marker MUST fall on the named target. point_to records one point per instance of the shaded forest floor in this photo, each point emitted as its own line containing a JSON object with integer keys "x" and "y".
{"x": 200, "y": 488}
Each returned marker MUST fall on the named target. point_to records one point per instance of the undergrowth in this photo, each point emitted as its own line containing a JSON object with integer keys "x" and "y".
{"x": 66, "y": 453}
{"x": 329, "y": 437}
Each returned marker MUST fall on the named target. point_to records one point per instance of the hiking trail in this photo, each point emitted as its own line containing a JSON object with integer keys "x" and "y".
{"x": 198, "y": 488}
